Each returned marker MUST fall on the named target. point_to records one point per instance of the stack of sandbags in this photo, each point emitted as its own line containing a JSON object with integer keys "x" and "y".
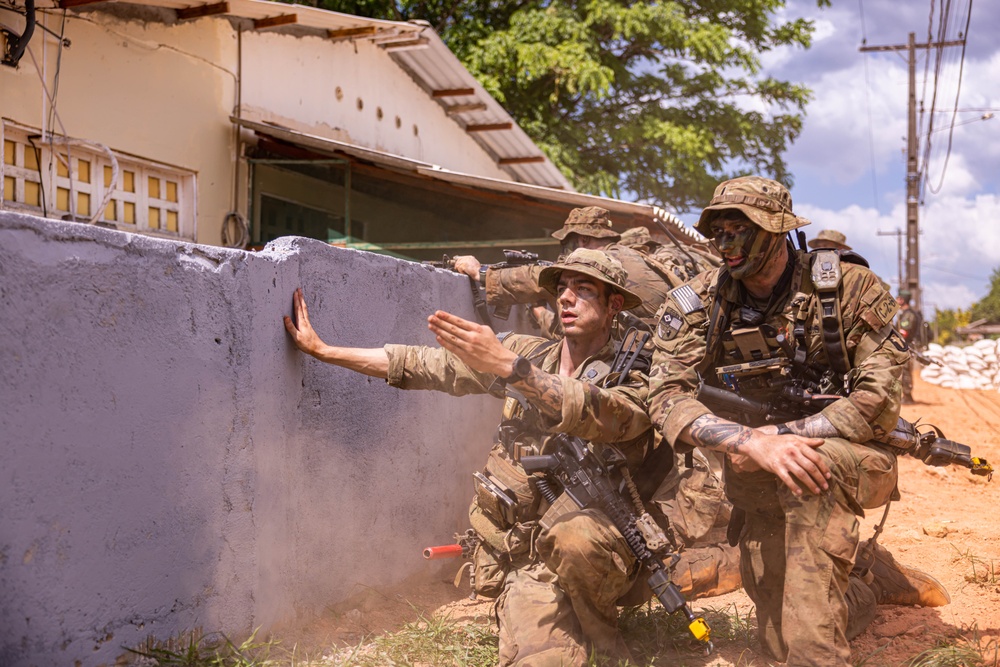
{"x": 975, "y": 366}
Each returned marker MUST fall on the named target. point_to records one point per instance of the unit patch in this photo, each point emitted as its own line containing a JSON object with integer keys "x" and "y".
{"x": 669, "y": 325}
{"x": 885, "y": 308}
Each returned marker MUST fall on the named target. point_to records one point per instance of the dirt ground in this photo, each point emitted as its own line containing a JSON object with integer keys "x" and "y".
{"x": 944, "y": 525}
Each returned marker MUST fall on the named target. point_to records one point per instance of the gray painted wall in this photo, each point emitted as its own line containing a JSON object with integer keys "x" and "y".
{"x": 170, "y": 461}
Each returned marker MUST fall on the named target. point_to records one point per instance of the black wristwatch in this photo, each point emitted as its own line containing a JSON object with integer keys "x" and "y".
{"x": 783, "y": 430}
{"x": 521, "y": 370}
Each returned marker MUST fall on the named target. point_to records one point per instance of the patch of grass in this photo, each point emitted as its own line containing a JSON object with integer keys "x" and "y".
{"x": 427, "y": 642}
{"x": 984, "y": 572}
{"x": 658, "y": 638}
{"x": 963, "y": 651}
{"x": 196, "y": 649}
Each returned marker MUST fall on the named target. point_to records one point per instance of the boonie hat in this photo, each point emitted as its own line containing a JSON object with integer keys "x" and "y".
{"x": 591, "y": 221}
{"x": 594, "y": 263}
{"x": 636, "y": 236}
{"x": 829, "y": 238}
{"x": 767, "y": 203}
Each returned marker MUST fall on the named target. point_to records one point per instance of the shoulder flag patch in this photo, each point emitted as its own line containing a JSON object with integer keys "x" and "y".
{"x": 686, "y": 299}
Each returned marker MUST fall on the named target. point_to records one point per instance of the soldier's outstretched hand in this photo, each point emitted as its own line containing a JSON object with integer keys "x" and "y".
{"x": 473, "y": 343}
{"x": 301, "y": 331}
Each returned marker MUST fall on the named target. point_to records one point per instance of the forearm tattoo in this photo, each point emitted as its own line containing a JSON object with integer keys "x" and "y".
{"x": 814, "y": 426}
{"x": 718, "y": 434}
{"x": 544, "y": 391}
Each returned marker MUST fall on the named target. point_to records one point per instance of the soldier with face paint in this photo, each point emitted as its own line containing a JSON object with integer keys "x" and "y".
{"x": 769, "y": 313}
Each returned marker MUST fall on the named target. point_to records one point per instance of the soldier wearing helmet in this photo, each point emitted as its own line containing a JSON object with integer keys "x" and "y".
{"x": 770, "y": 321}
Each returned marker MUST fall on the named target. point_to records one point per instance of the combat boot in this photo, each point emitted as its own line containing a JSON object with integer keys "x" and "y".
{"x": 894, "y": 583}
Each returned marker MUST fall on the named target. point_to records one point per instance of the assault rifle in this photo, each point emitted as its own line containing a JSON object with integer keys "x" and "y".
{"x": 465, "y": 545}
{"x": 585, "y": 479}
{"x": 794, "y": 402}
{"x": 512, "y": 258}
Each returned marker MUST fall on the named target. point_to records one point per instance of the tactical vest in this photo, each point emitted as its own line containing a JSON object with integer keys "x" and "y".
{"x": 754, "y": 353}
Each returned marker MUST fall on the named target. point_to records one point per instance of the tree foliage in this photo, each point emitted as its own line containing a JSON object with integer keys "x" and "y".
{"x": 988, "y": 308}
{"x": 652, "y": 99}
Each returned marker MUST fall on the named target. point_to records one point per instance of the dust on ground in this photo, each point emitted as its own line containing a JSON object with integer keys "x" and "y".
{"x": 946, "y": 524}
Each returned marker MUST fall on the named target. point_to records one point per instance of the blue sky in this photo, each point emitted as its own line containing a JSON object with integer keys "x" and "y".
{"x": 839, "y": 150}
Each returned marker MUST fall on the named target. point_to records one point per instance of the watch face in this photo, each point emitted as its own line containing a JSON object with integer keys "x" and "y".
{"x": 522, "y": 368}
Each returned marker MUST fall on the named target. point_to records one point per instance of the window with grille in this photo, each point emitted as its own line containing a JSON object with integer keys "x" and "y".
{"x": 67, "y": 181}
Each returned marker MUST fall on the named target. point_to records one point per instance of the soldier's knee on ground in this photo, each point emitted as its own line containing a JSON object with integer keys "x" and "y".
{"x": 708, "y": 571}
{"x": 587, "y": 557}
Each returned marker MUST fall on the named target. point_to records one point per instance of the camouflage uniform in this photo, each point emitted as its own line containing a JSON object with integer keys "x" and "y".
{"x": 796, "y": 552}
{"x": 650, "y": 274}
{"x": 910, "y": 325}
{"x": 556, "y": 589}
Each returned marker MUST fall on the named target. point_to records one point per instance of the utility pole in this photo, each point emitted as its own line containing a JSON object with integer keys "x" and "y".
{"x": 899, "y": 234}
{"x": 912, "y": 171}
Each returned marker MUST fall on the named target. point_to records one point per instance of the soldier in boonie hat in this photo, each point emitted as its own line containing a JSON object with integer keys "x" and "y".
{"x": 592, "y": 221}
{"x": 745, "y": 247}
{"x": 767, "y": 203}
{"x": 634, "y": 236}
{"x": 829, "y": 239}
{"x": 594, "y": 263}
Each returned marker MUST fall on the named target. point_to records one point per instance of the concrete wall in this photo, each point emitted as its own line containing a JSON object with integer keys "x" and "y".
{"x": 169, "y": 460}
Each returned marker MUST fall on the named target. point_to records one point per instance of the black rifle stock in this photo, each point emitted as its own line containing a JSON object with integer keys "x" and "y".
{"x": 585, "y": 480}
{"x": 930, "y": 446}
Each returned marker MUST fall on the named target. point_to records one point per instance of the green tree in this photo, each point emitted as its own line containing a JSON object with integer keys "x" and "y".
{"x": 988, "y": 308}
{"x": 659, "y": 99}
{"x": 946, "y": 321}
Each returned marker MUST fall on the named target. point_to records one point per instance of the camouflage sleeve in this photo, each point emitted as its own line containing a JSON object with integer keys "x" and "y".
{"x": 877, "y": 354}
{"x": 516, "y": 284}
{"x": 673, "y": 380}
{"x": 419, "y": 367}
{"x": 613, "y": 414}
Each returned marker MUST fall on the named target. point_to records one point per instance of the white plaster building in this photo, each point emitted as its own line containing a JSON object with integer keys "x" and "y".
{"x": 237, "y": 122}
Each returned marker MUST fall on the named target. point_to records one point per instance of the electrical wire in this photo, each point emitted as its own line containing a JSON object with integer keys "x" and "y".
{"x": 71, "y": 141}
{"x": 868, "y": 106}
{"x": 958, "y": 91}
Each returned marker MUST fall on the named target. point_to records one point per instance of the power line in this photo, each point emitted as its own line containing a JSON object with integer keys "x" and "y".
{"x": 868, "y": 105}
{"x": 958, "y": 91}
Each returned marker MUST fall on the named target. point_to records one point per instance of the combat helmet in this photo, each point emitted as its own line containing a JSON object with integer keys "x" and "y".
{"x": 767, "y": 203}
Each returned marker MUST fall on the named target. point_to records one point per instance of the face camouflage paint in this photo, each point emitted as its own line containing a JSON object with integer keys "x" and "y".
{"x": 744, "y": 246}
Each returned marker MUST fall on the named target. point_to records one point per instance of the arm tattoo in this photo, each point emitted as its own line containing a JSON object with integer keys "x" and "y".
{"x": 814, "y": 426}
{"x": 544, "y": 391}
{"x": 714, "y": 433}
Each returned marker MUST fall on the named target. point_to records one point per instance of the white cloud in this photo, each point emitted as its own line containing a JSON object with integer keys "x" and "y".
{"x": 947, "y": 296}
{"x": 959, "y": 245}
